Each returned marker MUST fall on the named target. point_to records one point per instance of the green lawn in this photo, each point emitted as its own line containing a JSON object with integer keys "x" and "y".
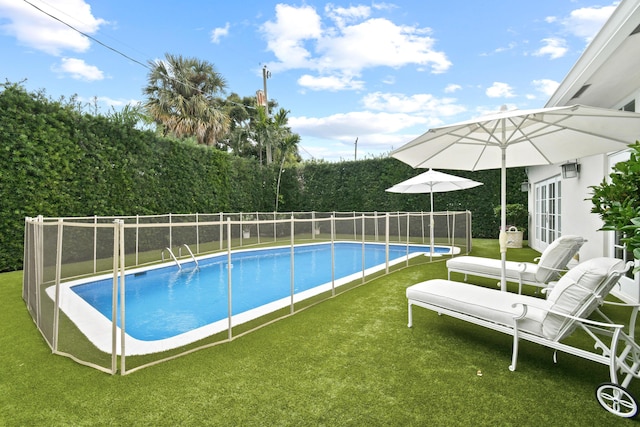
{"x": 348, "y": 361}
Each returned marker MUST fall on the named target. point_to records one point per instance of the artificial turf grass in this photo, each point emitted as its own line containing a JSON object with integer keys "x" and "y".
{"x": 350, "y": 360}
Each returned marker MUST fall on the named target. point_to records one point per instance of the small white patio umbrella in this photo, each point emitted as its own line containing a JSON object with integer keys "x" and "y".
{"x": 522, "y": 138}
{"x": 433, "y": 182}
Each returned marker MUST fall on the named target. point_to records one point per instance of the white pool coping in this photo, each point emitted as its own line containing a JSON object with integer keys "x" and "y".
{"x": 99, "y": 330}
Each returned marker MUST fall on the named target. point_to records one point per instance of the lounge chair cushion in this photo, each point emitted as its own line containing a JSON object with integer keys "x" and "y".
{"x": 490, "y": 267}
{"x": 572, "y": 291}
{"x": 553, "y": 260}
{"x": 556, "y": 257}
{"x": 492, "y": 305}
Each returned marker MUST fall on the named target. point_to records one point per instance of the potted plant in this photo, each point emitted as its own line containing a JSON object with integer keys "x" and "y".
{"x": 246, "y": 228}
{"x": 618, "y": 204}
{"x": 517, "y": 217}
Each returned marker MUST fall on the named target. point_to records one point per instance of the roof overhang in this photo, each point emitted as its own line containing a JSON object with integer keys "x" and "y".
{"x": 608, "y": 70}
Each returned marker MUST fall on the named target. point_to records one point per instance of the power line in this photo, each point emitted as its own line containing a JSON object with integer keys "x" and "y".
{"x": 116, "y": 50}
{"x": 88, "y": 36}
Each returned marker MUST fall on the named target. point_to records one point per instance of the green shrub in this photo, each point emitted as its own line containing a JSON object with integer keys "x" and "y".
{"x": 58, "y": 161}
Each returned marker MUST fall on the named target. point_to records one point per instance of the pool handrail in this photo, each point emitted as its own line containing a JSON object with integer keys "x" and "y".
{"x": 190, "y": 253}
{"x": 172, "y": 256}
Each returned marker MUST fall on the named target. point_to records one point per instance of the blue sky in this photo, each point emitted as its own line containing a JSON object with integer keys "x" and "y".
{"x": 382, "y": 72}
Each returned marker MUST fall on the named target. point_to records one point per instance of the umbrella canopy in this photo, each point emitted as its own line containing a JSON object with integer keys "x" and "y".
{"x": 522, "y": 138}
{"x": 433, "y": 182}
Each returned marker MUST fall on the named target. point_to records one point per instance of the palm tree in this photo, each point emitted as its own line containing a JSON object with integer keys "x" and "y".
{"x": 180, "y": 97}
{"x": 270, "y": 131}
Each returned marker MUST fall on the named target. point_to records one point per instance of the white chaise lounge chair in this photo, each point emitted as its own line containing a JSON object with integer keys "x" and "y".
{"x": 548, "y": 321}
{"x": 551, "y": 263}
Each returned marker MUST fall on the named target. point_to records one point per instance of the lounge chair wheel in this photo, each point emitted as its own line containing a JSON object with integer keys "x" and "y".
{"x": 617, "y": 400}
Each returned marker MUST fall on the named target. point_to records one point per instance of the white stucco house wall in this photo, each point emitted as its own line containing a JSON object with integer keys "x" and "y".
{"x": 606, "y": 75}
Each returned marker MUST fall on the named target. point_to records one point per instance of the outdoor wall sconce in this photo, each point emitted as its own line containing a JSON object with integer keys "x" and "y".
{"x": 524, "y": 186}
{"x": 571, "y": 170}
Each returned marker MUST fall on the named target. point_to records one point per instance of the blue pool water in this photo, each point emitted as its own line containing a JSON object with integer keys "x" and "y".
{"x": 165, "y": 302}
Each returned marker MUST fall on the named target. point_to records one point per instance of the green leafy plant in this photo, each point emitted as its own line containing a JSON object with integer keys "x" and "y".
{"x": 617, "y": 201}
{"x": 517, "y": 215}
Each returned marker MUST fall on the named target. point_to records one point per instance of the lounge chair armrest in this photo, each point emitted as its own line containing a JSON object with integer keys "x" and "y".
{"x": 622, "y": 304}
{"x": 588, "y": 321}
{"x": 560, "y": 270}
{"x": 525, "y": 307}
{"x": 547, "y": 289}
{"x": 523, "y": 267}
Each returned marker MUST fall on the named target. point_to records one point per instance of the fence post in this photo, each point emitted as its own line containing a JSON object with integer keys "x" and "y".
{"x": 275, "y": 227}
{"x": 386, "y": 243}
{"x": 95, "y": 244}
{"x": 39, "y": 261}
{"x": 123, "y": 329}
{"x": 197, "y": 233}
{"x": 363, "y": 245}
{"x": 408, "y": 219}
{"x": 170, "y": 232}
{"x": 375, "y": 225}
{"x": 258, "y": 225}
{"x": 56, "y": 313}
{"x": 229, "y": 267}
{"x": 292, "y": 261}
{"x": 137, "y": 239}
{"x": 333, "y": 256}
{"x": 114, "y": 299}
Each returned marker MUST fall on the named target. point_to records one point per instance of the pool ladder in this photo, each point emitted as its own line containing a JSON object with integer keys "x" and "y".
{"x": 180, "y": 255}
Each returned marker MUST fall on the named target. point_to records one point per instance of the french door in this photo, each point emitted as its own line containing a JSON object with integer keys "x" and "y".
{"x": 548, "y": 207}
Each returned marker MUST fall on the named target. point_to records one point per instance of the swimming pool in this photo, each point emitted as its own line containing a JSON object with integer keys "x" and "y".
{"x": 167, "y": 307}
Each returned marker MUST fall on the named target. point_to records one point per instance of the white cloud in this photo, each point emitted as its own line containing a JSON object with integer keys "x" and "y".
{"x": 330, "y": 83}
{"x": 421, "y": 104}
{"x": 389, "y": 80}
{"x": 545, "y": 86}
{"x": 554, "y": 47}
{"x": 218, "y": 33}
{"x": 78, "y": 69}
{"x": 35, "y": 29}
{"x": 373, "y": 129}
{"x": 348, "y": 42}
{"x": 390, "y": 120}
{"x": 452, "y": 88}
{"x": 116, "y": 103}
{"x": 379, "y": 42}
{"x": 587, "y": 21}
{"x": 500, "y": 90}
{"x": 342, "y": 16}
{"x": 287, "y": 35}
{"x": 510, "y": 46}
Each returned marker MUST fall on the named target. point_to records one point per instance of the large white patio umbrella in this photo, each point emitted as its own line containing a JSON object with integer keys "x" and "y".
{"x": 433, "y": 182}
{"x": 521, "y": 138}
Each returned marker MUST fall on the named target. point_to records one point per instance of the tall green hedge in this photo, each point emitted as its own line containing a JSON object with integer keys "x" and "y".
{"x": 58, "y": 161}
{"x": 360, "y": 186}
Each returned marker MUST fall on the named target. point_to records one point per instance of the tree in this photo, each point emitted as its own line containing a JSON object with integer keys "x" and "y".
{"x": 270, "y": 131}
{"x": 181, "y": 98}
{"x": 241, "y": 112}
{"x": 288, "y": 147}
{"x": 617, "y": 202}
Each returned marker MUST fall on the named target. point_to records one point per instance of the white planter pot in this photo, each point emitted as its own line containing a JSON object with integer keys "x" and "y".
{"x": 514, "y": 238}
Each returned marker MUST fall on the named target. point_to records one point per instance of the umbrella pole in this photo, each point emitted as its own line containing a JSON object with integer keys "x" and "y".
{"x": 431, "y": 227}
{"x": 503, "y": 219}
